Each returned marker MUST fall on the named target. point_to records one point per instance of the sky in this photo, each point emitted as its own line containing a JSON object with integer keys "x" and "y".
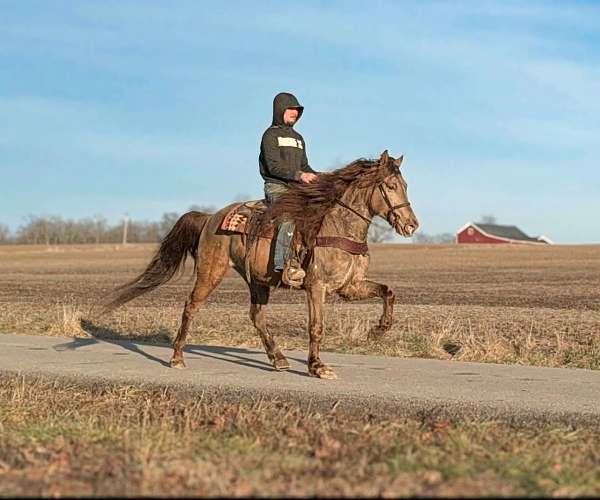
{"x": 145, "y": 107}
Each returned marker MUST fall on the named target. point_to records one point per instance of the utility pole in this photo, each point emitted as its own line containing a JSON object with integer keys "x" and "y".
{"x": 125, "y": 227}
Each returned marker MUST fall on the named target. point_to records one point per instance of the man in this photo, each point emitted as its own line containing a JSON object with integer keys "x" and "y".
{"x": 282, "y": 162}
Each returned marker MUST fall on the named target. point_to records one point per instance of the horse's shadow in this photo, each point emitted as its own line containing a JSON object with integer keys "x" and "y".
{"x": 235, "y": 355}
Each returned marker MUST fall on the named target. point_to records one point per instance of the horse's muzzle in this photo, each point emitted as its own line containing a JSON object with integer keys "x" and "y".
{"x": 409, "y": 229}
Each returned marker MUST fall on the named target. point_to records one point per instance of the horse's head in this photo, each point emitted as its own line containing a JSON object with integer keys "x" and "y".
{"x": 389, "y": 198}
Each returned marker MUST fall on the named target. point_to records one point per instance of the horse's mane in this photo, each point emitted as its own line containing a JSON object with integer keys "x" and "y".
{"x": 307, "y": 204}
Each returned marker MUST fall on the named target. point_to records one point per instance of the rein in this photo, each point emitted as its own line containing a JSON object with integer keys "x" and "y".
{"x": 342, "y": 204}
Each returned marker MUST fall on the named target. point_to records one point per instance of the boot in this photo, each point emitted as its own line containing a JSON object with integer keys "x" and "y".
{"x": 293, "y": 274}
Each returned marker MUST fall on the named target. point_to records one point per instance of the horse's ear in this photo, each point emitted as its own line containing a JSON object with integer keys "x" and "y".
{"x": 398, "y": 161}
{"x": 385, "y": 158}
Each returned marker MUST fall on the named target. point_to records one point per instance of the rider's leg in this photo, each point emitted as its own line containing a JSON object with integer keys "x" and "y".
{"x": 282, "y": 244}
{"x": 286, "y": 229}
{"x": 293, "y": 274}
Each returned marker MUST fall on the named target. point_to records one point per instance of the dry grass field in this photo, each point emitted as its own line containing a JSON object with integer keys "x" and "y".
{"x": 504, "y": 304}
{"x": 509, "y": 304}
{"x": 61, "y": 438}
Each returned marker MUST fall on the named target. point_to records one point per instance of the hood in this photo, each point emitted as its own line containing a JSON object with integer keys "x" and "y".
{"x": 282, "y": 102}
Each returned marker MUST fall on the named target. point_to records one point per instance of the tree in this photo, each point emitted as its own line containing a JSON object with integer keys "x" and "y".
{"x": 167, "y": 222}
{"x": 488, "y": 219}
{"x": 207, "y": 209}
{"x": 440, "y": 238}
{"x": 100, "y": 226}
{"x": 5, "y": 236}
{"x": 379, "y": 233}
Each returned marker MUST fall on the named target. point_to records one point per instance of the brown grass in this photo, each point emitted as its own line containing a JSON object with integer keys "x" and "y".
{"x": 62, "y": 438}
{"x": 504, "y": 304}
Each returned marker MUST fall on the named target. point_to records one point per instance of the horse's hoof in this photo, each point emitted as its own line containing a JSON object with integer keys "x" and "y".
{"x": 281, "y": 364}
{"x": 323, "y": 372}
{"x": 177, "y": 363}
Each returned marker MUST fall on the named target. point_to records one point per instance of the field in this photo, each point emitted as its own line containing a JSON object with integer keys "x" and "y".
{"x": 513, "y": 304}
{"x": 64, "y": 438}
{"x": 504, "y": 304}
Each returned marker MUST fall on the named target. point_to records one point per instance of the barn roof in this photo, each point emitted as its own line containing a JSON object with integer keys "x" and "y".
{"x": 509, "y": 232}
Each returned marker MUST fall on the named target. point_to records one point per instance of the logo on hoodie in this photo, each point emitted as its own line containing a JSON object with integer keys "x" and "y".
{"x": 289, "y": 142}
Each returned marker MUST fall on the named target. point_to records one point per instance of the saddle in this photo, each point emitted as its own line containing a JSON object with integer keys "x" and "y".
{"x": 237, "y": 220}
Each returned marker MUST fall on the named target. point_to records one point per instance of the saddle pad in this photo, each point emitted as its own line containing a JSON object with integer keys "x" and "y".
{"x": 236, "y": 220}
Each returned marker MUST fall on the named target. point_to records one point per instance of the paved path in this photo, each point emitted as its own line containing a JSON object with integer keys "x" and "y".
{"x": 365, "y": 382}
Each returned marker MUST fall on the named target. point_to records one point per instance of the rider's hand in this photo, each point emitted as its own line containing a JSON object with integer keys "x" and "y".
{"x": 308, "y": 177}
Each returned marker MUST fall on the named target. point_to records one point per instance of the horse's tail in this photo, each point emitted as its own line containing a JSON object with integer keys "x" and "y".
{"x": 183, "y": 239}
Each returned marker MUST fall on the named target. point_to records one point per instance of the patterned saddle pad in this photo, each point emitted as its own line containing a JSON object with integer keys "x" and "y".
{"x": 237, "y": 219}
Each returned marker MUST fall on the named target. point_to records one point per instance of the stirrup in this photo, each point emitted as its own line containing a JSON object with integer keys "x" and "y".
{"x": 293, "y": 275}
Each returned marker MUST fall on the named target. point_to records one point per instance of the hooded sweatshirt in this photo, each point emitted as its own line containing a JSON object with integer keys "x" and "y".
{"x": 282, "y": 150}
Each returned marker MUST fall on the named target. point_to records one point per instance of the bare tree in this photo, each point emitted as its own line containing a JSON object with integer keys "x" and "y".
{"x": 167, "y": 222}
{"x": 440, "y": 238}
{"x": 100, "y": 226}
{"x": 5, "y": 236}
{"x": 54, "y": 230}
{"x": 488, "y": 219}
{"x": 207, "y": 209}
{"x": 379, "y": 233}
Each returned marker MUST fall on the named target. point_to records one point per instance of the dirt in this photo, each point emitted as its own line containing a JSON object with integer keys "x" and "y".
{"x": 501, "y": 303}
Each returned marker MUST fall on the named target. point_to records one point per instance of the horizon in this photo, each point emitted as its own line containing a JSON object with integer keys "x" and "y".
{"x": 115, "y": 108}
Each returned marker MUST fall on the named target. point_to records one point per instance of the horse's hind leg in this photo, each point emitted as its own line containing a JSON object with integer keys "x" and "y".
{"x": 367, "y": 290}
{"x": 211, "y": 267}
{"x": 259, "y": 298}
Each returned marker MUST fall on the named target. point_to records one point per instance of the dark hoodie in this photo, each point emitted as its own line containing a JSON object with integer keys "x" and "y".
{"x": 282, "y": 150}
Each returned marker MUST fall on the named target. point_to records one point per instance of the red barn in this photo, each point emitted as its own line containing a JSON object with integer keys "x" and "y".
{"x": 478, "y": 232}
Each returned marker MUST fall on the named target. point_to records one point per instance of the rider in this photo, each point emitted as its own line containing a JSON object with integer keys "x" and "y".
{"x": 283, "y": 162}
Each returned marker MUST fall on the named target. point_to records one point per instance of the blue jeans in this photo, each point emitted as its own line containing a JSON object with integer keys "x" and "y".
{"x": 286, "y": 229}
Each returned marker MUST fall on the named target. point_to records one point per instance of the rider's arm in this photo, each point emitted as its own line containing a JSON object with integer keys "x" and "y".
{"x": 305, "y": 167}
{"x": 272, "y": 159}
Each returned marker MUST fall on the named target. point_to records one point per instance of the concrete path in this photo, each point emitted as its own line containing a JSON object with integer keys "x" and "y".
{"x": 367, "y": 383}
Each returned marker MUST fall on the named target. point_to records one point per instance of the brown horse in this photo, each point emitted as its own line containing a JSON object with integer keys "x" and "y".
{"x": 332, "y": 216}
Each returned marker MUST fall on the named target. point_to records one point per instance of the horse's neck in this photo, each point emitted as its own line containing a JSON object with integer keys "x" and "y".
{"x": 343, "y": 222}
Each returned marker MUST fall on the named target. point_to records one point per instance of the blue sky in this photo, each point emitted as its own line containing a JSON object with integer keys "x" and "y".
{"x": 145, "y": 107}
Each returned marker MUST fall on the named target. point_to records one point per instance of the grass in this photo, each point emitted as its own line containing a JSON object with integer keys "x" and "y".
{"x": 501, "y": 304}
{"x": 63, "y": 438}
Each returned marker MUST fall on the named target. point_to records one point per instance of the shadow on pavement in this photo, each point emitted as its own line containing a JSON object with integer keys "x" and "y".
{"x": 235, "y": 355}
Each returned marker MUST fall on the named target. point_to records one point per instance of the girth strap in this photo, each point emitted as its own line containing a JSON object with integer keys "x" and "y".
{"x": 350, "y": 246}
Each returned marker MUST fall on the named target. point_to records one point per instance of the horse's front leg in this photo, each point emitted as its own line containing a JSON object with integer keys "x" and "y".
{"x": 316, "y": 298}
{"x": 366, "y": 290}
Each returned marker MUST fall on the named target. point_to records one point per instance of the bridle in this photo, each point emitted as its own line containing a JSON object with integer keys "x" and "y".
{"x": 391, "y": 208}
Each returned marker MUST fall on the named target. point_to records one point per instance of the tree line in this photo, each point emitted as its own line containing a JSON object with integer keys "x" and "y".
{"x": 56, "y": 230}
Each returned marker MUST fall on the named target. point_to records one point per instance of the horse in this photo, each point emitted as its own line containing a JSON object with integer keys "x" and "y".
{"x": 332, "y": 216}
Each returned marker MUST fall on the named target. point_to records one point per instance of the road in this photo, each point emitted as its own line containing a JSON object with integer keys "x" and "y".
{"x": 366, "y": 383}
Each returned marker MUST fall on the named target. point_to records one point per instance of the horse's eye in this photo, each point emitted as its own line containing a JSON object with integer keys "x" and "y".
{"x": 393, "y": 185}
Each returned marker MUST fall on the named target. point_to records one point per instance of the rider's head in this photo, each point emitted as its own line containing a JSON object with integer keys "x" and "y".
{"x": 286, "y": 110}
